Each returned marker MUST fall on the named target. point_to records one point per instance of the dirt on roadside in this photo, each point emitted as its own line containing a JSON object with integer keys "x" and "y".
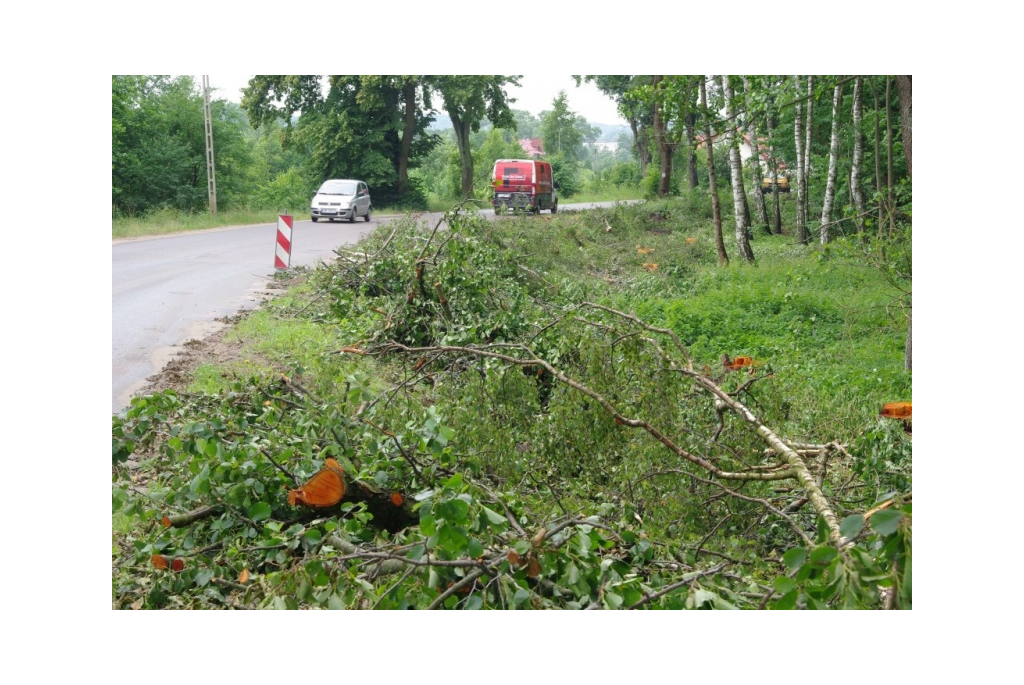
{"x": 179, "y": 371}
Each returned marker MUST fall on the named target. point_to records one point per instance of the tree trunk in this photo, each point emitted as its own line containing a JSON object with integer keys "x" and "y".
{"x": 755, "y": 149}
{"x": 798, "y": 136}
{"x": 665, "y": 147}
{"x": 739, "y": 196}
{"x": 407, "y": 134}
{"x": 809, "y": 130}
{"x": 716, "y": 210}
{"x": 879, "y": 183}
{"x": 903, "y": 86}
{"x": 461, "y": 129}
{"x": 856, "y": 191}
{"x": 888, "y": 144}
{"x": 833, "y": 163}
{"x": 691, "y": 120}
{"x": 643, "y": 154}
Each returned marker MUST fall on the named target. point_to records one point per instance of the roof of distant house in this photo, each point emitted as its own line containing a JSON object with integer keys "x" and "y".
{"x": 532, "y": 146}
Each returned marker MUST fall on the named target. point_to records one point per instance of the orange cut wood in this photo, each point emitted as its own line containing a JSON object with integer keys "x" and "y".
{"x": 738, "y": 362}
{"x": 325, "y": 489}
{"x": 897, "y": 410}
{"x": 397, "y": 499}
{"x": 159, "y": 561}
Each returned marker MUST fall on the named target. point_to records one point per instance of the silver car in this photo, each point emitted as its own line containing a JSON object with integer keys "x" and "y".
{"x": 340, "y": 198}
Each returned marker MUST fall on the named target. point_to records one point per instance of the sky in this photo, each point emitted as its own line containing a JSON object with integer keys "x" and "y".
{"x": 535, "y": 95}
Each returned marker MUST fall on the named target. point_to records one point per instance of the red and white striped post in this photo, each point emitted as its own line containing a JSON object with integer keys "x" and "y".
{"x": 283, "y": 250}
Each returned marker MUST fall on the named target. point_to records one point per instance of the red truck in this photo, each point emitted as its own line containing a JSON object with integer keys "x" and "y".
{"x": 524, "y": 184}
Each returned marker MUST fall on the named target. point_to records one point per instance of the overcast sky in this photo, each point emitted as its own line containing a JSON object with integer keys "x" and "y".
{"x": 535, "y": 95}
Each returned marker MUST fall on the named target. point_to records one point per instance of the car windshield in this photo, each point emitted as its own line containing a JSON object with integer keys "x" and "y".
{"x": 338, "y": 189}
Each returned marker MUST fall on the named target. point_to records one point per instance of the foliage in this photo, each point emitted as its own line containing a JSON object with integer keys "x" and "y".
{"x": 526, "y": 490}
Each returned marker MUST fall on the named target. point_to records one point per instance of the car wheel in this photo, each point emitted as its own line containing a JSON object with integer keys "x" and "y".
{"x": 314, "y": 218}
{"x": 352, "y": 217}
{"x": 367, "y": 217}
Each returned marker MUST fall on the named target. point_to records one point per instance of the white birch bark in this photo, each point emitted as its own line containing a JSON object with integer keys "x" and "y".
{"x": 798, "y": 135}
{"x": 808, "y": 130}
{"x": 858, "y": 154}
{"x": 739, "y": 197}
{"x": 833, "y": 160}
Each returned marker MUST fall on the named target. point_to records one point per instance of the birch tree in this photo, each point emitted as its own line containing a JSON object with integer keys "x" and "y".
{"x": 833, "y": 162}
{"x": 808, "y": 132}
{"x": 878, "y": 153}
{"x": 716, "y": 210}
{"x": 755, "y": 148}
{"x": 856, "y": 190}
{"x": 798, "y": 135}
{"x": 739, "y": 196}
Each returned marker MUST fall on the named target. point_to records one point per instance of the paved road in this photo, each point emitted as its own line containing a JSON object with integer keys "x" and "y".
{"x": 171, "y": 289}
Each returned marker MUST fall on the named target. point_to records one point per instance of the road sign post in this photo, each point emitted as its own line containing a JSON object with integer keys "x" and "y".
{"x": 283, "y": 248}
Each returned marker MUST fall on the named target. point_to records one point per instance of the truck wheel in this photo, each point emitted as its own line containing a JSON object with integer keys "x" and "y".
{"x": 554, "y": 208}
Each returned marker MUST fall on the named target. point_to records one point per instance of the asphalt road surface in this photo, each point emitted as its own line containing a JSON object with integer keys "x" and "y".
{"x": 171, "y": 289}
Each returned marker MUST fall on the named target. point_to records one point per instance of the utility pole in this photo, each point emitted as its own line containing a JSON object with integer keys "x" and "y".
{"x": 211, "y": 180}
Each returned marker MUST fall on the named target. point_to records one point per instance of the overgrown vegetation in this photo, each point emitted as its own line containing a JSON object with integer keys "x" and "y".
{"x": 546, "y": 398}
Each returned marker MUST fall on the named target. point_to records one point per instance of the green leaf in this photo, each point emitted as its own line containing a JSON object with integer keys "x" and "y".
{"x": 851, "y": 525}
{"x": 427, "y": 525}
{"x": 259, "y": 511}
{"x": 474, "y": 602}
{"x": 822, "y": 556}
{"x": 612, "y": 600}
{"x": 786, "y": 602}
{"x": 416, "y": 553}
{"x": 583, "y": 540}
{"x": 784, "y": 585}
{"x": 452, "y": 538}
{"x": 520, "y": 596}
{"x": 795, "y": 557}
{"x": 493, "y": 517}
{"x": 313, "y": 536}
{"x": 886, "y": 522}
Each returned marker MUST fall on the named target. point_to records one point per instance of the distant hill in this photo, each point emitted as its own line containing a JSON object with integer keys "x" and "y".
{"x": 610, "y": 132}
